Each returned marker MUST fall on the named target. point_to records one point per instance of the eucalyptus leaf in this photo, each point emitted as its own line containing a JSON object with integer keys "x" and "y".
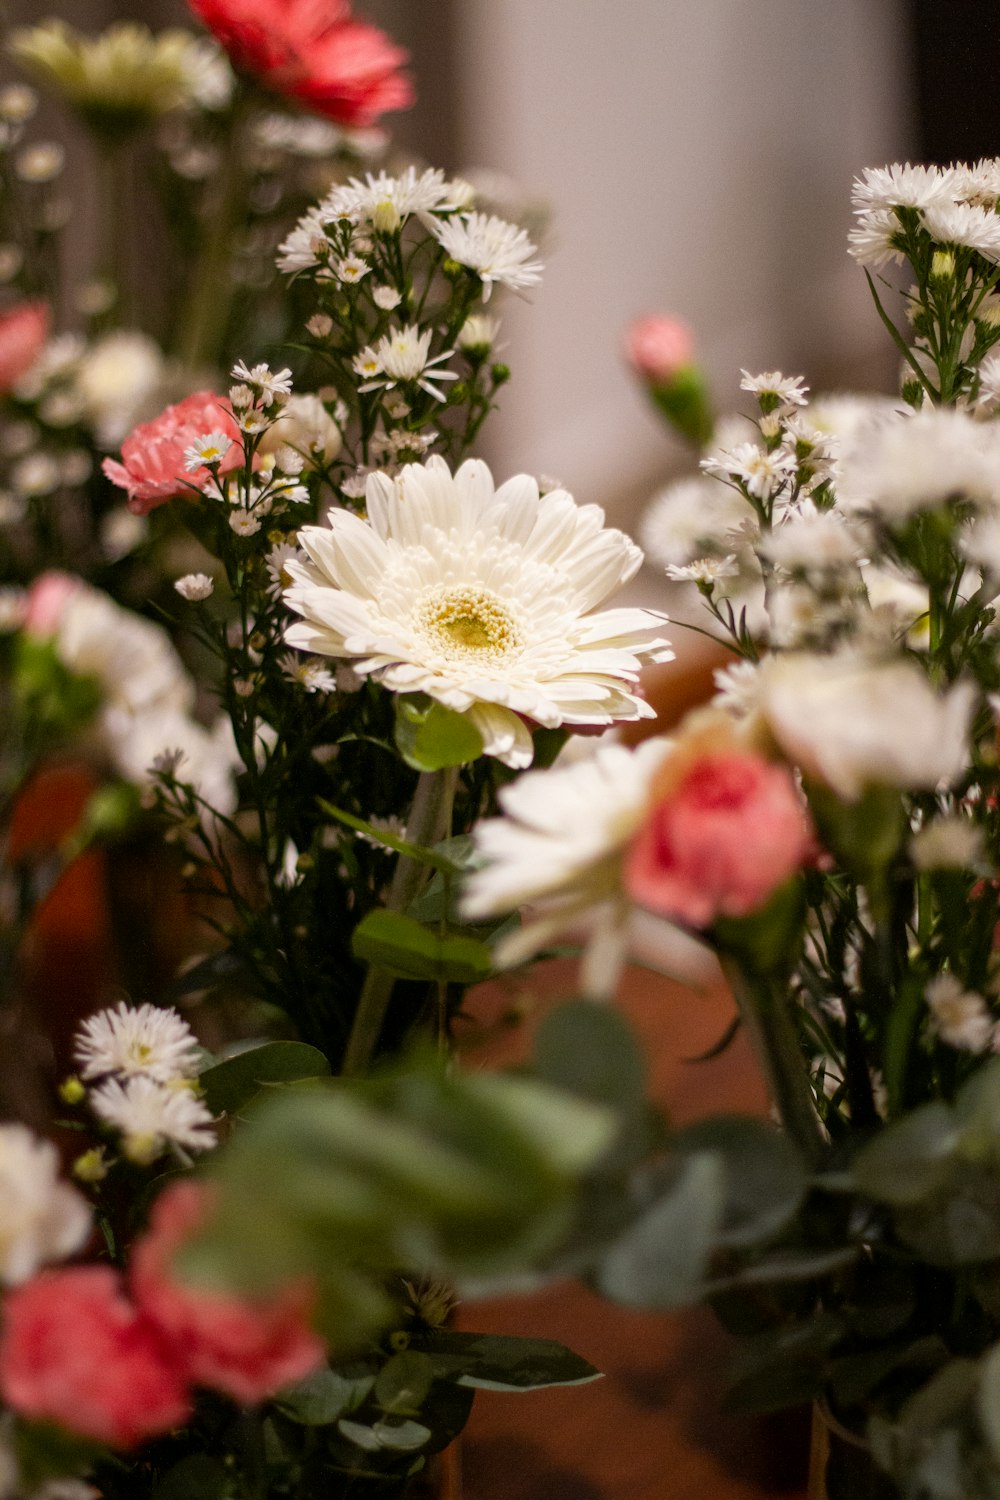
{"x": 323, "y": 1396}
{"x": 231, "y": 1084}
{"x": 498, "y": 1362}
{"x": 589, "y": 1049}
{"x": 403, "y": 1382}
{"x": 661, "y": 1260}
{"x": 765, "y": 1177}
{"x": 907, "y": 1161}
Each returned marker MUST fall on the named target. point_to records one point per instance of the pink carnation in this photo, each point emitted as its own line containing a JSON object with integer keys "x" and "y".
{"x": 247, "y": 1349}
{"x": 47, "y": 598}
{"x": 74, "y": 1351}
{"x": 313, "y": 51}
{"x": 153, "y": 469}
{"x": 658, "y": 346}
{"x": 23, "y": 332}
{"x": 725, "y": 836}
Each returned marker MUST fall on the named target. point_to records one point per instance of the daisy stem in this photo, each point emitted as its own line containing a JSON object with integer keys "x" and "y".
{"x": 429, "y": 821}
{"x": 765, "y": 1012}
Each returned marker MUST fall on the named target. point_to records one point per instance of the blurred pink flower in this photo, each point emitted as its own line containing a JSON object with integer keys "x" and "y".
{"x": 658, "y": 346}
{"x": 74, "y": 1351}
{"x": 727, "y": 833}
{"x": 247, "y": 1349}
{"x": 313, "y": 51}
{"x": 23, "y": 332}
{"x": 154, "y": 470}
{"x": 48, "y": 596}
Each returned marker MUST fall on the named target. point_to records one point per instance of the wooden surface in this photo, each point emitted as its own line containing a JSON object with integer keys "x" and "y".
{"x": 655, "y": 1427}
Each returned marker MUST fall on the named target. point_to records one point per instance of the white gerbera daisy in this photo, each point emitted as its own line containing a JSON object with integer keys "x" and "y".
{"x": 144, "y": 1039}
{"x": 153, "y": 1117}
{"x": 41, "y": 1218}
{"x": 480, "y": 598}
{"x": 496, "y": 250}
{"x": 558, "y": 848}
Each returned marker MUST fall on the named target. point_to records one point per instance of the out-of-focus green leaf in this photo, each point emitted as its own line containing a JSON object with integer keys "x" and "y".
{"x": 323, "y": 1396}
{"x": 588, "y": 1049}
{"x": 496, "y": 1362}
{"x": 908, "y": 1160}
{"x": 660, "y": 1261}
{"x": 390, "y": 940}
{"x": 431, "y": 737}
{"x": 765, "y": 1179}
{"x": 230, "y": 1085}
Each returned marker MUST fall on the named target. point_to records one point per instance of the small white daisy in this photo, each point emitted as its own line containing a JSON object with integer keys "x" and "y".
{"x": 761, "y": 472}
{"x": 960, "y": 1017}
{"x": 306, "y": 246}
{"x": 965, "y": 224}
{"x": 207, "y": 451}
{"x": 906, "y": 186}
{"x": 736, "y": 687}
{"x": 789, "y": 390}
{"x": 704, "y": 570}
{"x": 351, "y": 269}
{"x": 309, "y": 672}
{"x": 386, "y": 297}
{"x": 478, "y": 333}
{"x": 320, "y": 325}
{"x": 423, "y": 194}
{"x": 366, "y": 363}
{"x": 154, "y": 1117}
{"x": 42, "y": 1219}
{"x": 499, "y": 253}
{"x": 402, "y": 357}
{"x": 244, "y": 522}
{"x": 873, "y": 240}
{"x": 131, "y": 1040}
{"x": 273, "y": 384}
{"x": 194, "y": 587}
{"x": 947, "y": 843}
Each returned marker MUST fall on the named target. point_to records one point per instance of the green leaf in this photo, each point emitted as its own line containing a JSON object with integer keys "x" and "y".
{"x": 495, "y": 1362}
{"x": 589, "y": 1049}
{"x": 571, "y": 1133}
{"x": 765, "y": 1178}
{"x": 402, "y": 1437}
{"x": 431, "y": 737}
{"x": 395, "y": 942}
{"x": 403, "y": 1382}
{"x": 45, "y": 1453}
{"x": 661, "y": 1259}
{"x": 323, "y": 1396}
{"x": 230, "y": 1085}
{"x": 907, "y": 1161}
{"x": 435, "y": 858}
{"x": 197, "y": 1477}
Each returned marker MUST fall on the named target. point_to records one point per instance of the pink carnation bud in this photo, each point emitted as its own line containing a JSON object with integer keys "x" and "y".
{"x": 47, "y": 598}
{"x": 658, "y": 346}
{"x": 246, "y": 1348}
{"x": 74, "y": 1351}
{"x": 23, "y": 332}
{"x": 722, "y": 840}
{"x": 313, "y": 51}
{"x": 153, "y": 464}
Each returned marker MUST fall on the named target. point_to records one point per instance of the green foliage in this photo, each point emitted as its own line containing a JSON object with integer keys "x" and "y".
{"x": 231, "y": 1084}
{"x": 431, "y": 737}
{"x": 407, "y": 948}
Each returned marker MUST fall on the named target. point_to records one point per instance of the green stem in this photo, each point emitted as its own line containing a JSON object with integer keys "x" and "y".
{"x": 207, "y": 313}
{"x": 428, "y": 822}
{"x": 767, "y": 1017}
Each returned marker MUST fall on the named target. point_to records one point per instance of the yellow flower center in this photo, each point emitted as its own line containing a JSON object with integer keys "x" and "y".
{"x": 470, "y": 622}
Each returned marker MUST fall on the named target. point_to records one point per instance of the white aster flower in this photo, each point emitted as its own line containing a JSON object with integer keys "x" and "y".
{"x": 903, "y": 186}
{"x": 872, "y": 241}
{"x": 497, "y": 251}
{"x": 116, "y": 382}
{"x": 307, "y": 427}
{"x": 41, "y": 1218}
{"x": 919, "y": 462}
{"x": 207, "y": 451}
{"x": 689, "y": 516}
{"x": 272, "y": 385}
{"x": 481, "y": 598}
{"x": 762, "y": 472}
{"x": 812, "y": 541}
{"x": 965, "y": 224}
{"x": 737, "y": 688}
{"x": 276, "y": 561}
{"x": 989, "y": 382}
{"x": 310, "y": 672}
{"x": 132, "y": 659}
{"x": 960, "y": 1017}
{"x": 386, "y": 297}
{"x": 351, "y": 269}
{"x": 138, "y": 742}
{"x": 478, "y": 332}
{"x": 977, "y": 184}
{"x": 705, "y": 570}
{"x": 154, "y": 1117}
{"x": 132, "y": 1040}
{"x": 367, "y": 364}
{"x": 194, "y": 587}
{"x": 402, "y": 357}
{"x": 790, "y": 390}
{"x": 244, "y": 522}
{"x": 559, "y": 846}
{"x": 306, "y": 246}
{"x": 852, "y": 723}
{"x": 947, "y": 843}
{"x": 381, "y": 198}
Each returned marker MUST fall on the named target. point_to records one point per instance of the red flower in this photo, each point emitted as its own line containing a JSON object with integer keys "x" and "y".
{"x": 74, "y": 1351}
{"x": 246, "y": 1348}
{"x": 658, "y": 346}
{"x": 313, "y": 51}
{"x": 720, "y": 842}
{"x": 153, "y": 470}
{"x": 23, "y": 331}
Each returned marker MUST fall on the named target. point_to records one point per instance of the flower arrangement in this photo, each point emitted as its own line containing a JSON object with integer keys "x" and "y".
{"x": 358, "y": 690}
